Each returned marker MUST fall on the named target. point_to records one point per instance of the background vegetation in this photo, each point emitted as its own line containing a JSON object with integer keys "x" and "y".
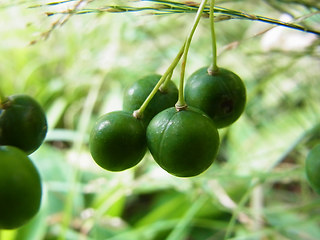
{"x": 256, "y": 189}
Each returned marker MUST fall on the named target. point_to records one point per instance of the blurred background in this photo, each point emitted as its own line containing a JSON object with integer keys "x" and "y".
{"x": 78, "y": 66}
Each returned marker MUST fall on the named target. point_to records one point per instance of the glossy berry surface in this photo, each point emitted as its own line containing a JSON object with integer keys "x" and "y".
{"x": 222, "y": 95}
{"x": 20, "y": 188}
{"x": 313, "y": 168}
{"x": 184, "y": 143}
{"x": 23, "y": 123}
{"x": 136, "y": 94}
{"x": 118, "y": 141}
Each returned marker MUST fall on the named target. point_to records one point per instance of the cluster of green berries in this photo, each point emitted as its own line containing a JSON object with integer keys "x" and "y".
{"x": 23, "y": 127}
{"x": 184, "y": 141}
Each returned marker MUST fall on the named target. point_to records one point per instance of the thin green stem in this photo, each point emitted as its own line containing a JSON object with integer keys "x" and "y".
{"x": 139, "y": 112}
{"x": 181, "y": 104}
{"x": 164, "y": 85}
{"x": 214, "y": 67}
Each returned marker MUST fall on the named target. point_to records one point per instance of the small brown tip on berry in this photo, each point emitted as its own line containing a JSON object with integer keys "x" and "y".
{"x": 212, "y": 71}
{"x": 179, "y": 107}
{"x": 136, "y": 114}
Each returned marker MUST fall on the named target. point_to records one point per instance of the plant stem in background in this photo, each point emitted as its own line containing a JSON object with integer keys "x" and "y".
{"x": 138, "y": 113}
{"x": 79, "y": 143}
{"x": 171, "y": 7}
{"x": 237, "y": 210}
{"x": 256, "y": 204}
{"x": 214, "y": 67}
{"x": 181, "y": 104}
{"x": 183, "y": 226}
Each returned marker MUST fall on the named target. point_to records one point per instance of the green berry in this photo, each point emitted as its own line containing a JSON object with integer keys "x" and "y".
{"x": 23, "y": 123}
{"x": 118, "y": 141}
{"x": 20, "y": 188}
{"x": 221, "y": 95}
{"x": 184, "y": 143}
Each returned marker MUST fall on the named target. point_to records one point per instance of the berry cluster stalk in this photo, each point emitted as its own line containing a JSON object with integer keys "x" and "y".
{"x": 181, "y": 104}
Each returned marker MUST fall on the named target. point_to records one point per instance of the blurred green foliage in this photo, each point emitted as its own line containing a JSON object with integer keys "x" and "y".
{"x": 257, "y": 187}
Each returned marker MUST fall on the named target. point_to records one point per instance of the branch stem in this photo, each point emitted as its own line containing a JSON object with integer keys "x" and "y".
{"x": 139, "y": 112}
{"x": 181, "y": 102}
{"x": 164, "y": 85}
